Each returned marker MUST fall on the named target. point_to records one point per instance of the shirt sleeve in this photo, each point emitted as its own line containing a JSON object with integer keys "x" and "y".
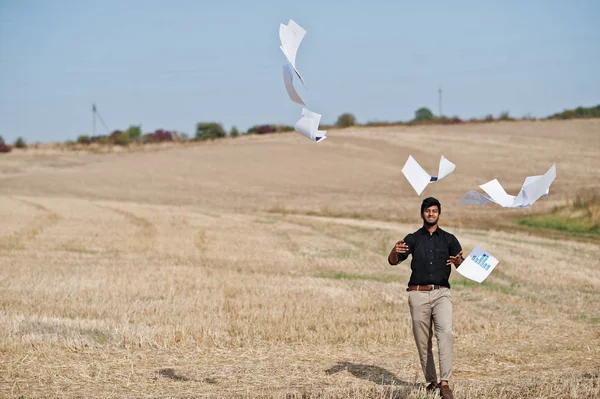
{"x": 410, "y": 241}
{"x": 455, "y": 247}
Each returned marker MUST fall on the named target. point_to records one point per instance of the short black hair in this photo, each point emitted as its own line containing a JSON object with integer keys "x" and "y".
{"x": 430, "y": 201}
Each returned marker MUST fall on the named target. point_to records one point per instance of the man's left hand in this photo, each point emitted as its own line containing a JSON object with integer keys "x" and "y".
{"x": 455, "y": 260}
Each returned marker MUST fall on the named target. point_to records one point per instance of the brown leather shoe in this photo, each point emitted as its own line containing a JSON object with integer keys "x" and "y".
{"x": 445, "y": 392}
{"x": 432, "y": 387}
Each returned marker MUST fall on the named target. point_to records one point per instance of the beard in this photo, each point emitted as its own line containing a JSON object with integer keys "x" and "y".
{"x": 430, "y": 224}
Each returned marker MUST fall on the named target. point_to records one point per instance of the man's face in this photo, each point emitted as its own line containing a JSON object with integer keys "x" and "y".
{"x": 431, "y": 215}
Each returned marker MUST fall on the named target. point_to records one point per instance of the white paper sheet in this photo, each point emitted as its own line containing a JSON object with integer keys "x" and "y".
{"x": 534, "y": 188}
{"x": 539, "y": 186}
{"x": 473, "y": 197}
{"x": 416, "y": 175}
{"x": 494, "y": 189}
{"x": 419, "y": 178}
{"x": 308, "y": 126}
{"x": 291, "y": 36}
{"x": 288, "y": 81}
{"x": 478, "y": 265}
{"x": 446, "y": 167}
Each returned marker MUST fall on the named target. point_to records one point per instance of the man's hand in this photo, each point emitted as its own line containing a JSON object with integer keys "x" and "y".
{"x": 455, "y": 260}
{"x": 401, "y": 247}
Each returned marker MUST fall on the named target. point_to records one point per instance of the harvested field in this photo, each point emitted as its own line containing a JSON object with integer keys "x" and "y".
{"x": 256, "y": 267}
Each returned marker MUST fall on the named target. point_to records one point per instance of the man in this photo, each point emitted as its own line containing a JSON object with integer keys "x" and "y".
{"x": 434, "y": 251}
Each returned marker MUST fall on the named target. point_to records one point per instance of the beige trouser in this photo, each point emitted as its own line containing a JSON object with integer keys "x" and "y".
{"x": 429, "y": 310}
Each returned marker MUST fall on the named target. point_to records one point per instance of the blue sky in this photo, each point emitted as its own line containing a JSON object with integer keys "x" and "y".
{"x": 172, "y": 64}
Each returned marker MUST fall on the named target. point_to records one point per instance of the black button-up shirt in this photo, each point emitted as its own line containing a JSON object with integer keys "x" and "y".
{"x": 429, "y": 255}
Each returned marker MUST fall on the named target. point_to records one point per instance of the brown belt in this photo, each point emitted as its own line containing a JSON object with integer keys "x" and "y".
{"x": 423, "y": 287}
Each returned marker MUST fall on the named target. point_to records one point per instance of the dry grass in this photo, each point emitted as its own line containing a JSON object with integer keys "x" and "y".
{"x": 257, "y": 267}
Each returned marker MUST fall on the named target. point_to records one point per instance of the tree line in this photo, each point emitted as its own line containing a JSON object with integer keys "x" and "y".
{"x": 214, "y": 130}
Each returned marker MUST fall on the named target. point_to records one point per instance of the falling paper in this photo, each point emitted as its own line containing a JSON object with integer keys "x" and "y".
{"x": 288, "y": 81}
{"x": 291, "y": 36}
{"x": 308, "y": 125}
{"x": 478, "y": 265}
{"x": 419, "y": 179}
{"x": 534, "y": 188}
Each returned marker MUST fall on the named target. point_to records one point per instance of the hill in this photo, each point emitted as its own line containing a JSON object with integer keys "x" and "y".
{"x": 256, "y": 266}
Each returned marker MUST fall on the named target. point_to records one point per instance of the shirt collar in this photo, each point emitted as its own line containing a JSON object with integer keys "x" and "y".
{"x": 437, "y": 231}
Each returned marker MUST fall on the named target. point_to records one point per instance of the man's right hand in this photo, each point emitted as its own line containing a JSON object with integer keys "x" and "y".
{"x": 401, "y": 247}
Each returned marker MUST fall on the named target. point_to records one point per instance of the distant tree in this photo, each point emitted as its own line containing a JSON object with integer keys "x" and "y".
{"x": 346, "y": 120}
{"x": 489, "y": 118}
{"x": 134, "y": 132}
{"x": 119, "y": 137}
{"x": 423, "y": 114}
{"x": 505, "y": 116}
{"x": 579, "y": 112}
{"x": 234, "y": 132}
{"x": 103, "y": 140}
{"x": 84, "y": 139}
{"x": 158, "y": 136}
{"x": 285, "y": 128}
{"x": 4, "y": 147}
{"x": 263, "y": 129}
{"x": 20, "y": 143}
{"x": 209, "y": 131}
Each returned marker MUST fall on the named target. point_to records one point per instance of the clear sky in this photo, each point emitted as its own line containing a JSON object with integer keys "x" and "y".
{"x": 170, "y": 64}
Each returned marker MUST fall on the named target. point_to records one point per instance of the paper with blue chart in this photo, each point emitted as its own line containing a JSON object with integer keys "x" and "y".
{"x": 419, "y": 179}
{"x": 534, "y": 188}
{"x": 478, "y": 265}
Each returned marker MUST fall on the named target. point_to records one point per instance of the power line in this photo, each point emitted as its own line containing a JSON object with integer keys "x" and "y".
{"x": 96, "y": 114}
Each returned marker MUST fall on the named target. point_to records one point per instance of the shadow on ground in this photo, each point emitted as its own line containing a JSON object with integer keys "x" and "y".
{"x": 395, "y": 387}
{"x": 367, "y": 372}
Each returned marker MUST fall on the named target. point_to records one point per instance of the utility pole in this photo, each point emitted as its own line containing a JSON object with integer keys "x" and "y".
{"x": 94, "y": 119}
{"x": 95, "y": 115}
{"x": 440, "y": 100}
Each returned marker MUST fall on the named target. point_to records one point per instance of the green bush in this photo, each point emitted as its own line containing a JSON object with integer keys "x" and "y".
{"x": 504, "y": 116}
{"x": 20, "y": 143}
{"x": 119, "y": 138}
{"x": 209, "y": 131}
{"x": 423, "y": 114}
{"x": 234, "y": 132}
{"x": 346, "y": 120}
{"x": 579, "y": 112}
{"x": 285, "y": 128}
{"x": 84, "y": 139}
{"x": 122, "y": 139}
{"x": 134, "y": 132}
{"x": 262, "y": 129}
{"x": 104, "y": 140}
